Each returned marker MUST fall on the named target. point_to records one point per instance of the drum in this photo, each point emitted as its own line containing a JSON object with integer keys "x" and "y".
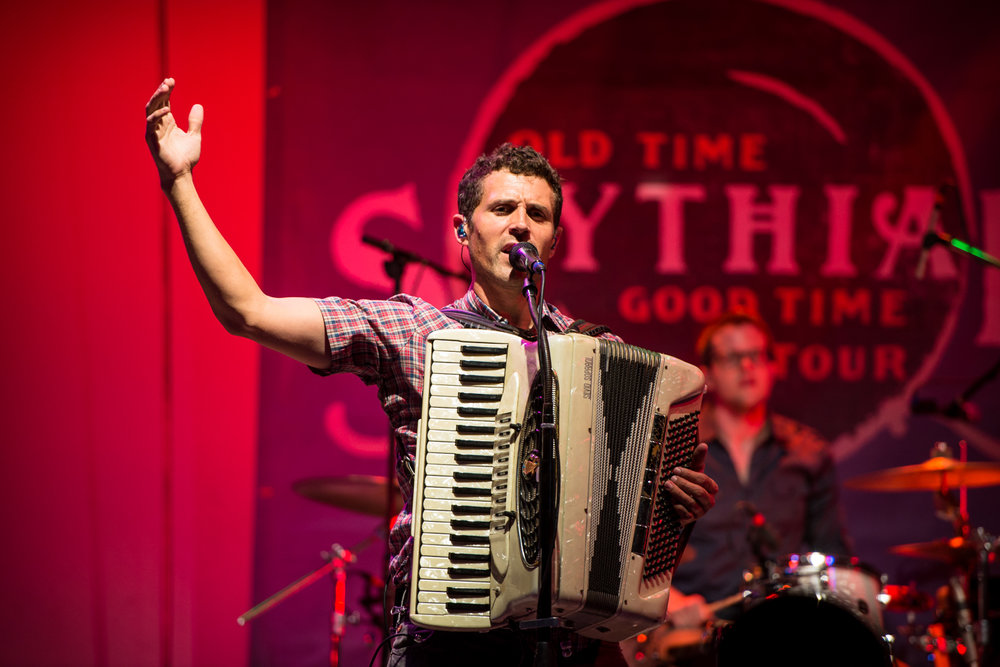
{"x": 810, "y": 609}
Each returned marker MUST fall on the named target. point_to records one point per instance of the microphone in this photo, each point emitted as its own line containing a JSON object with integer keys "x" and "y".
{"x": 930, "y": 234}
{"x": 524, "y": 257}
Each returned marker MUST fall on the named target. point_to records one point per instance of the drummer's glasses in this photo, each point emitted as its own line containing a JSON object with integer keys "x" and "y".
{"x": 735, "y": 359}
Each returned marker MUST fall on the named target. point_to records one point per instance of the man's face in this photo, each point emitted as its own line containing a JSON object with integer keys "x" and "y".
{"x": 514, "y": 209}
{"x": 740, "y": 373}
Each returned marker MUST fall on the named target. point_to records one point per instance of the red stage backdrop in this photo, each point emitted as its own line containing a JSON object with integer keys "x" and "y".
{"x": 129, "y": 415}
{"x": 782, "y": 157}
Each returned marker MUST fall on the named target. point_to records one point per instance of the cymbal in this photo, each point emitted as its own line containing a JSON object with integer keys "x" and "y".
{"x": 955, "y": 550}
{"x": 931, "y": 475}
{"x": 906, "y": 598}
{"x": 365, "y": 494}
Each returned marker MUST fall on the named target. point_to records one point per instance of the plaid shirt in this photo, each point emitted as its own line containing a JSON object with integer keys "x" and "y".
{"x": 383, "y": 342}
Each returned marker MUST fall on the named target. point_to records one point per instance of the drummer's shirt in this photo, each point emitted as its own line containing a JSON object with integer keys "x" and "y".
{"x": 791, "y": 483}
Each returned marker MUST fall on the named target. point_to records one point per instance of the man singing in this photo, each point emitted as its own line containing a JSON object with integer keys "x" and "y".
{"x": 510, "y": 196}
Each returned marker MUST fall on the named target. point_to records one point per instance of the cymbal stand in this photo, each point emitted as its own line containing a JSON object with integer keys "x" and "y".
{"x": 944, "y": 501}
{"x": 394, "y": 267}
{"x": 987, "y": 544}
{"x": 975, "y": 636}
{"x": 957, "y": 513}
{"x": 964, "y": 620}
{"x": 338, "y": 559}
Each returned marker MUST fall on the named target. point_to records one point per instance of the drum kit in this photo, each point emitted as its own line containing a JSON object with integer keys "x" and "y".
{"x": 363, "y": 494}
{"x": 830, "y": 608}
{"x": 816, "y": 604}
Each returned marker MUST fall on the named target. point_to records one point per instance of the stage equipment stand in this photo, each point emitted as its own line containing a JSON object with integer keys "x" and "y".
{"x": 338, "y": 559}
{"x": 544, "y": 623}
{"x": 394, "y": 267}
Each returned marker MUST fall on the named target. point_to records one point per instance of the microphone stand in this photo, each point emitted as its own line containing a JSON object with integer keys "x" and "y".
{"x": 970, "y": 391}
{"x": 394, "y": 267}
{"x": 399, "y": 258}
{"x": 544, "y": 623}
{"x": 959, "y": 407}
{"x": 956, "y": 410}
{"x": 933, "y": 238}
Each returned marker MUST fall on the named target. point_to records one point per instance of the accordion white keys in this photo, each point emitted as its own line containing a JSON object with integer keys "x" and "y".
{"x": 625, "y": 418}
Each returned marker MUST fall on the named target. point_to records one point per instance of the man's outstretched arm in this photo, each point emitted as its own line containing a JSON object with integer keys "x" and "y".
{"x": 292, "y": 326}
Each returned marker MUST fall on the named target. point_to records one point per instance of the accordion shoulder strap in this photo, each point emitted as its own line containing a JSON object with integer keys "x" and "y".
{"x": 471, "y": 320}
{"x": 588, "y": 328}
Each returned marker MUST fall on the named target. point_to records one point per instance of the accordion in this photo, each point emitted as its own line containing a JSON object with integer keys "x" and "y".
{"x": 625, "y": 418}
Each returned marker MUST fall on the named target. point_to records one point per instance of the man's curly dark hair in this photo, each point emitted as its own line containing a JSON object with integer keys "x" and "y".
{"x": 515, "y": 159}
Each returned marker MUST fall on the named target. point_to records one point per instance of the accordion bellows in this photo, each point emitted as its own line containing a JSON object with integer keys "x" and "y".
{"x": 625, "y": 418}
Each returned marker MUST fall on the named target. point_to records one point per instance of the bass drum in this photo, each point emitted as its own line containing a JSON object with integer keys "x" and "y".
{"x": 812, "y": 609}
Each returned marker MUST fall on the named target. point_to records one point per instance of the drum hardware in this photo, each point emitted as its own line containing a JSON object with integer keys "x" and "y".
{"x": 761, "y": 537}
{"x": 364, "y": 494}
{"x": 963, "y": 618}
{"x": 969, "y": 551}
{"x": 370, "y": 495}
{"x": 668, "y": 644}
{"x": 941, "y": 471}
{"x": 811, "y": 608}
{"x": 391, "y": 501}
{"x": 935, "y": 642}
{"x": 955, "y": 550}
{"x": 338, "y": 560}
{"x": 907, "y": 599}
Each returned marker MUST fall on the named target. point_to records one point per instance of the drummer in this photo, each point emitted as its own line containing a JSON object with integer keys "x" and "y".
{"x": 777, "y": 490}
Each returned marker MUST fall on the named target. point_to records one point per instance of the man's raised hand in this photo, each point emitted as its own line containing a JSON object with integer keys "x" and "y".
{"x": 174, "y": 151}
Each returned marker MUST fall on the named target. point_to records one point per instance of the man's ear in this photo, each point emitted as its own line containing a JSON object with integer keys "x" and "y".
{"x": 555, "y": 240}
{"x": 461, "y": 229}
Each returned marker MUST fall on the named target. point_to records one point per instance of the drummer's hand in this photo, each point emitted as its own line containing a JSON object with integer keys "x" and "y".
{"x": 687, "y": 611}
{"x": 693, "y": 491}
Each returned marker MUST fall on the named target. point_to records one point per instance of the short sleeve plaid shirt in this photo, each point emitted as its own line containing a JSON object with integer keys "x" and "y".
{"x": 382, "y": 342}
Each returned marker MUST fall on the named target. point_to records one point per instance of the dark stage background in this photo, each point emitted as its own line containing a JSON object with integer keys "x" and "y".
{"x": 783, "y": 156}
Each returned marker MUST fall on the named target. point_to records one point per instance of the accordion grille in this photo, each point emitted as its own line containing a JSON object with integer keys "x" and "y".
{"x": 625, "y": 410}
{"x": 665, "y": 530}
